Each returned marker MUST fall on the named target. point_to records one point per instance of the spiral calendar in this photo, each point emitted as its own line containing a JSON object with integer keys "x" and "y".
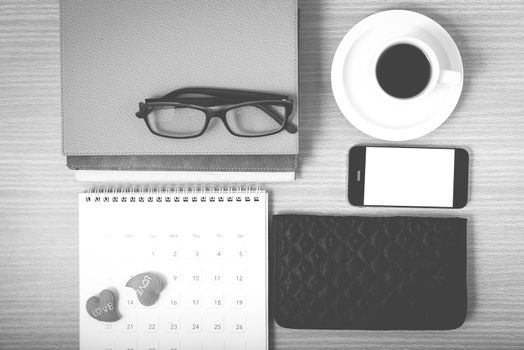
{"x": 173, "y": 269}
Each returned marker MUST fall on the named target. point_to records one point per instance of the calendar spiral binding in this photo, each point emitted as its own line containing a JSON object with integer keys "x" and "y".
{"x": 174, "y": 194}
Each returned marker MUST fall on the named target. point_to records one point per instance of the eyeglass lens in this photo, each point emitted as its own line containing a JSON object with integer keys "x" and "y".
{"x": 177, "y": 122}
{"x": 255, "y": 120}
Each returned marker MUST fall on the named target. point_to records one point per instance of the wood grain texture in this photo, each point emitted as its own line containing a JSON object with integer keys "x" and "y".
{"x": 38, "y": 197}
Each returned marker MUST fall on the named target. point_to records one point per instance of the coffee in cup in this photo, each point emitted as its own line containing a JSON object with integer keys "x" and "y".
{"x": 408, "y": 68}
{"x": 403, "y": 70}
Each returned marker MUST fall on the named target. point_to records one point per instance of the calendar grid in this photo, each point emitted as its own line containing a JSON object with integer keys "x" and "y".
{"x": 208, "y": 247}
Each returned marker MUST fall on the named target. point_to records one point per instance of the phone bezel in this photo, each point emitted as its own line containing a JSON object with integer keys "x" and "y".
{"x": 356, "y": 184}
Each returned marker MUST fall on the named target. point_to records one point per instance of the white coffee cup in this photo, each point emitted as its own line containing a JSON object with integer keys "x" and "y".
{"x": 439, "y": 74}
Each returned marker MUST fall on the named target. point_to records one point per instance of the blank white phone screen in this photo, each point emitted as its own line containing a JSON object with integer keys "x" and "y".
{"x": 411, "y": 177}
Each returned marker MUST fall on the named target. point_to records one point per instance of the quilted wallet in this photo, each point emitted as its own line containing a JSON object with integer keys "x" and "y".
{"x": 369, "y": 273}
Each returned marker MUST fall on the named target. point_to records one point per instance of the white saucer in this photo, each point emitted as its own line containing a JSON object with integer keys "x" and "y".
{"x": 360, "y": 98}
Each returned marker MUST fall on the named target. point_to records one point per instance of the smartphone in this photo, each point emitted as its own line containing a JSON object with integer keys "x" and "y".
{"x": 408, "y": 177}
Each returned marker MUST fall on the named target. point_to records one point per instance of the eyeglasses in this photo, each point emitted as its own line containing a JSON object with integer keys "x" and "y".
{"x": 186, "y": 113}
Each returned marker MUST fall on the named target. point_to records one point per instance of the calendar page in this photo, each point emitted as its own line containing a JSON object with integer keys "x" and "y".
{"x": 172, "y": 270}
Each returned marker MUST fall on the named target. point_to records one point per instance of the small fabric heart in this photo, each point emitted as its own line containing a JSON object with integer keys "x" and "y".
{"x": 148, "y": 287}
{"x": 103, "y": 307}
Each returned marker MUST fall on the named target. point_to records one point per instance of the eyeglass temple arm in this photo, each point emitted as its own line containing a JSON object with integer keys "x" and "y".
{"x": 290, "y": 127}
{"x": 200, "y": 101}
{"x": 225, "y": 93}
{"x": 142, "y": 112}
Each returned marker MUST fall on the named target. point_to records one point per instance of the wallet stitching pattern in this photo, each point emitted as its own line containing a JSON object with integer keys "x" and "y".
{"x": 369, "y": 273}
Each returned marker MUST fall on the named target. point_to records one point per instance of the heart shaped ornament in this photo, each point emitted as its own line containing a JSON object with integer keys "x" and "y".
{"x": 147, "y": 286}
{"x": 103, "y": 307}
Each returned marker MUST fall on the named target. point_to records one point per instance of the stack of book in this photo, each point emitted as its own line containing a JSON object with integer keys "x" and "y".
{"x": 116, "y": 54}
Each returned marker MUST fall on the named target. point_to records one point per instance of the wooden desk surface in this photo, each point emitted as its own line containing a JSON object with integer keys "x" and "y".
{"x": 38, "y": 197}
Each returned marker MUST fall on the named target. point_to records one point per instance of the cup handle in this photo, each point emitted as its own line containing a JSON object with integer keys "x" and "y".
{"x": 450, "y": 77}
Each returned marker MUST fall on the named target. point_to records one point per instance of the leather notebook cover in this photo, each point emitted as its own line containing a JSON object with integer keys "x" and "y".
{"x": 403, "y": 273}
{"x": 116, "y": 54}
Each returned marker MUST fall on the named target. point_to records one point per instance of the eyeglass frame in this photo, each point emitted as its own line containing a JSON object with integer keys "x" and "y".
{"x": 217, "y": 106}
